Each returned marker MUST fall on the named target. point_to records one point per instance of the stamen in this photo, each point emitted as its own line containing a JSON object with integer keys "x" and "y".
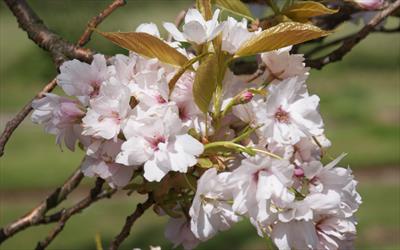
{"x": 282, "y": 116}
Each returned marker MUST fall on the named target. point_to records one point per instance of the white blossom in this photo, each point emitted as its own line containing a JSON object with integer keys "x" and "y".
{"x": 81, "y": 79}
{"x": 290, "y": 113}
{"x": 107, "y": 111}
{"x": 234, "y": 34}
{"x": 196, "y": 29}
{"x": 100, "y": 161}
{"x": 60, "y": 116}
{"x": 149, "y": 28}
{"x": 210, "y": 211}
{"x": 158, "y": 139}
{"x": 260, "y": 184}
{"x": 338, "y": 179}
{"x": 178, "y": 232}
{"x": 280, "y": 65}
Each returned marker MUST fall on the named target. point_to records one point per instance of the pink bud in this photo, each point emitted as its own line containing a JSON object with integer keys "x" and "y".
{"x": 370, "y": 4}
{"x": 298, "y": 172}
{"x": 160, "y": 99}
{"x": 246, "y": 97}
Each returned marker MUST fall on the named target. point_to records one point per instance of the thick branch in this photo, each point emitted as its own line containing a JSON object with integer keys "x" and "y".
{"x": 45, "y": 38}
{"x": 353, "y": 40}
{"x": 95, "y": 194}
{"x": 24, "y": 112}
{"x": 130, "y": 220}
{"x": 38, "y": 213}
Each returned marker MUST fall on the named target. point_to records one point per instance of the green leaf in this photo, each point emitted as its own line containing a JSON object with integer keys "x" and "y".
{"x": 205, "y": 82}
{"x": 235, "y": 7}
{"x": 179, "y": 73}
{"x": 279, "y": 36}
{"x": 146, "y": 45}
{"x": 302, "y": 11}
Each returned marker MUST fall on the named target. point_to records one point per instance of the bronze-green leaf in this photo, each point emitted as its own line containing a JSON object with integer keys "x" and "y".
{"x": 146, "y": 45}
{"x": 205, "y": 82}
{"x": 279, "y": 36}
{"x": 204, "y": 6}
{"x": 235, "y": 7}
{"x": 302, "y": 11}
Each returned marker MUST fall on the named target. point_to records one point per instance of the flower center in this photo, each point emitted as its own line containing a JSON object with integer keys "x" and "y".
{"x": 183, "y": 114}
{"x": 160, "y": 99}
{"x": 282, "y": 116}
{"x": 96, "y": 89}
{"x": 154, "y": 141}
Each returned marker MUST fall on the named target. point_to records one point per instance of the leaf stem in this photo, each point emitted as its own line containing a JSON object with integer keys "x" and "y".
{"x": 267, "y": 153}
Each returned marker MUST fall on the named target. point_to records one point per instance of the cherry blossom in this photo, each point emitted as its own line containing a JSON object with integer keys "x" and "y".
{"x": 100, "y": 161}
{"x": 60, "y": 116}
{"x": 280, "y": 65}
{"x": 234, "y": 34}
{"x": 107, "y": 111}
{"x": 196, "y": 29}
{"x": 158, "y": 139}
{"x": 178, "y": 232}
{"x": 255, "y": 154}
{"x": 290, "y": 113}
{"x": 210, "y": 211}
{"x": 260, "y": 184}
{"x": 81, "y": 79}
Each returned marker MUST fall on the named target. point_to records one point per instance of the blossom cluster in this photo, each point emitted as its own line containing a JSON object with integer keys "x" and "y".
{"x": 255, "y": 154}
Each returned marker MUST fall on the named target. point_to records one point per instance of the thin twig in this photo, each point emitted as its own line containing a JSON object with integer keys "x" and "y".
{"x": 66, "y": 215}
{"x": 326, "y": 45}
{"x": 260, "y": 71}
{"x": 352, "y": 41}
{"x": 96, "y": 20}
{"x": 55, "y": 217}
{"x": 12, "y": 125}
{"x": 38, "y": 213}
{"x": 21, "y": 115}
{"x": 130, "y": 220}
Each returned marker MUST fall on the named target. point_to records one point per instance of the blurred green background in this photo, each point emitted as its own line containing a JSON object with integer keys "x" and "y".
{"x": 359, "y": 102}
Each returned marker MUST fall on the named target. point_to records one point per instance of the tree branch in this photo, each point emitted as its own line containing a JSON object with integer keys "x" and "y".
{"x": 45, "y": 38}
{"x": 38, "y": 213}
{"x": 96, "y": 20}
{"x": 12, "y": 125}
{"x": 94, "y": 195}
{"x": 353, "y": 40}
{"x": 130, "y": 220}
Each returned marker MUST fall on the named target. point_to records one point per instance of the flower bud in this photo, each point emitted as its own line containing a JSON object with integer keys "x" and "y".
{"x": 370, "y": 4}
{"x": 245, "y": 97}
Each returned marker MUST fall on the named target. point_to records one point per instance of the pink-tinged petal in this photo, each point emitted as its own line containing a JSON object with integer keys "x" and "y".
{"x": 154, "y": 171}
{"x": 134, "y": 152}
{"x": 120, "y": 175}
{"x": 194, "y": 15}
{"x": 195, "y": 32}
{"x": 176, "y": 34}
{"x": 189, "y": 145}
{"x": 149, "y": 28}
